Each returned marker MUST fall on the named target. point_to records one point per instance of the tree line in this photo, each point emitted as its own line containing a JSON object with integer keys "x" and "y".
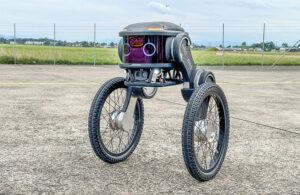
{"x": 267, "y": 45}
{"x": 49, "y": 42}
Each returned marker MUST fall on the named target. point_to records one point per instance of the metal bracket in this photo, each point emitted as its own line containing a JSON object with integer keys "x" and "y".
{"x": 124, "y": 119}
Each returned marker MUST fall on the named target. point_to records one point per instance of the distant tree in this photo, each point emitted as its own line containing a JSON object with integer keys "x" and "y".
{"x": 220, "y": 46}
{"x": 269, "y": 46}
{"x": 59, "y": 43}
{"x": 244, "y": 43}
{"x": 112, "y": 44}
{"x": 47, "y": 42}
{"x": 284, "y": 45}
{"x": 2, "y": 40}
{"x": 84, "y": 44}
{"x": 229, "y": 46}
{"x": 198, "y": 46}
{"x": 254, "y": 45}
{"x": 213, "y": 49}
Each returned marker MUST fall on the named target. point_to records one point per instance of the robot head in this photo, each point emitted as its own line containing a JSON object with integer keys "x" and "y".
{"x": 153, "y": 42}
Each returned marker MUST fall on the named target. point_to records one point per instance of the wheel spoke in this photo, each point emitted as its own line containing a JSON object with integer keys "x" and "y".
{"x": 115, "y": 140}
{"x": 207, "y": 132}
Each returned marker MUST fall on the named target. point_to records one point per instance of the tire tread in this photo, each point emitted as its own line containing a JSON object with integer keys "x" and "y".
{"x": 98, "y": 101}
{"x": 187, "y": 131}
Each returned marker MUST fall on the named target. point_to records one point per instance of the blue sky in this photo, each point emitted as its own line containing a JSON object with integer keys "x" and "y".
{"x": 203, "y": 19}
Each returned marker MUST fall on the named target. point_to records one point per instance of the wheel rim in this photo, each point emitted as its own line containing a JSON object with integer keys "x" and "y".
{"x": 116, "y": 141}
{"x": 209, "y": 128}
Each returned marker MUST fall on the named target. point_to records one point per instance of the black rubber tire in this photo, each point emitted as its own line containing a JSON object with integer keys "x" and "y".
{"x": 200, "y": 76}
{"x": 207, "y": 76}
{"x": 190, "y": 159}
{"x": 94, "y": 119}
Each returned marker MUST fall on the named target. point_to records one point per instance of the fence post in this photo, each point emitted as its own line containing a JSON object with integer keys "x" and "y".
{"x": 263, "y": 47}
{"x": 94, "y": 44}
{"x": 54, "y": 44}
{"x": 284, "y": 54}
{"x": 223, "y": 48}
{"x": 15, "y": 42}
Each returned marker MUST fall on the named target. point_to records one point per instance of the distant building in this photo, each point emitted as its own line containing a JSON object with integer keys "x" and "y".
{"x": 257, "y": 49}
{"x": 295, "y": 49}
{"x": 228, "y": 49}
{"x": 282, "y": 49}
{"x": 34, "y": 43}
{"x": 76, "y": 45}
{"x": 237, "y": 49}
{"x": 12, "y": 42}
{"x": 233, "y": 49}
{"x": 285, "y": 49}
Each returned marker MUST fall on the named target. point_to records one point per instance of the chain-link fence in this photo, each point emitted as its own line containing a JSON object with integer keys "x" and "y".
{"x": 213, "y": 44}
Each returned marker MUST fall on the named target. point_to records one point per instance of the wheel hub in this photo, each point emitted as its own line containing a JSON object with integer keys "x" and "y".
{"x": 123, "y": 121}
{"x": 118, "y": 121}
{"x": 113, "y": 120}
{"x": 204, "y": 131}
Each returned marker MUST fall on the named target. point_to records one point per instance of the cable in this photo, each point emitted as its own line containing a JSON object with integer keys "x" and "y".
{"x": 280, "y": 129}
{"x": 245, "y": 120}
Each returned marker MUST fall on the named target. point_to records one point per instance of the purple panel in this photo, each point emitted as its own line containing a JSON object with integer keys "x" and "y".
{"x": 144, "y": 49}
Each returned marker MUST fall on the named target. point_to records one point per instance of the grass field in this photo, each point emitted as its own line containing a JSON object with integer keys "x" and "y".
{"x": 85, "y": 55}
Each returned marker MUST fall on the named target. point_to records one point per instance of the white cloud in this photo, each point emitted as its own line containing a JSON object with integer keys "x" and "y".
{"x": 163, "y": 9}
{"x": 201, "y": 18}
{"x": 252, "y": 4}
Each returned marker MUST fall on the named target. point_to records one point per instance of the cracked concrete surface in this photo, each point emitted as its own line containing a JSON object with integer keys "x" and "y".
{"x": 44, "y": 144}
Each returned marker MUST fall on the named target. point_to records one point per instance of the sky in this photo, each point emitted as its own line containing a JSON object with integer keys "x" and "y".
{"x": 243, "y": 19}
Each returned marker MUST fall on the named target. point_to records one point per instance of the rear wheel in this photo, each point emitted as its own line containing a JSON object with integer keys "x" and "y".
{"x": 112, "y": 144}
{"x": 205, "y": 131}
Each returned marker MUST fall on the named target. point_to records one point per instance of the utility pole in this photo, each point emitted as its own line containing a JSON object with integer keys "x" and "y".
{"x": 15, "y": 42}
{"x": 223, "y": 48}
{"x": 263, "y": 47}
{"x": 54, "y": 44}
{"x": 94, "y": 44}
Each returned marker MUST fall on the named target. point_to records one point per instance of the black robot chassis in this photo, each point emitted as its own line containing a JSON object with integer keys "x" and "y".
{"x": 153, "y": 55}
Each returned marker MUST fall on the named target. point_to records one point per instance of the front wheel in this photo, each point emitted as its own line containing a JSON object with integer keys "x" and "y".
{"x": 205, "y": 131}
{"x": 112, "y": 144}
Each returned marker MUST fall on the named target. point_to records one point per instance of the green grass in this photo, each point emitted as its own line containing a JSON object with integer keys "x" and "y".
{"x": 80, "y": 55}
{"x": 210, "y": 58}
{"x": 63, "y": 55}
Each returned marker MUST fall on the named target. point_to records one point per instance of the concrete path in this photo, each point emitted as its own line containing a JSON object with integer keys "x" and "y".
{"x": 44, "y": 144}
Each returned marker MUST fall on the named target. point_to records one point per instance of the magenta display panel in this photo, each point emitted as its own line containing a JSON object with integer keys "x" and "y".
{"x": 144, "y": 49}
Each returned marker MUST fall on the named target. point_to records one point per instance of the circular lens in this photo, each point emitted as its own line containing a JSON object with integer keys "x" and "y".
{"x": 127, "y": 49}
{"x": 149, "y": 49}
